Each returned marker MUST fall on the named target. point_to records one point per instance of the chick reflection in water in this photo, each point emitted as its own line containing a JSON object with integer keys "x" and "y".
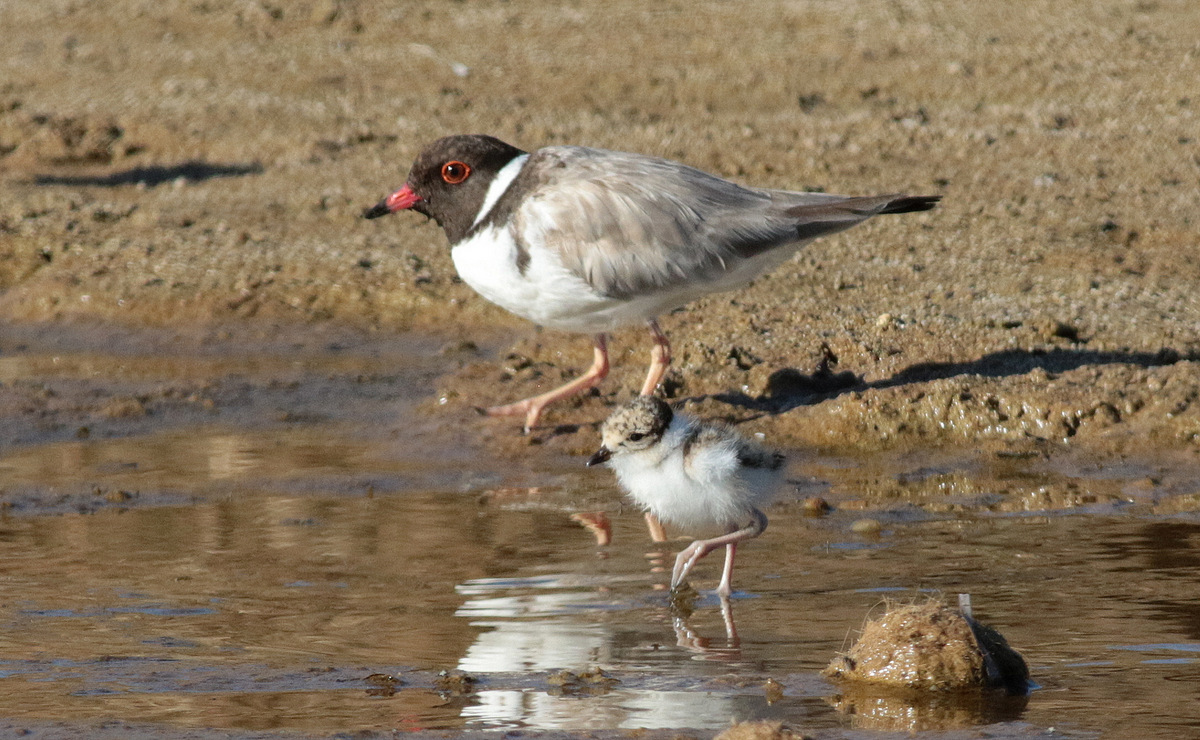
{"x": 691, "y": 474}
{"x": 683, "y": 604}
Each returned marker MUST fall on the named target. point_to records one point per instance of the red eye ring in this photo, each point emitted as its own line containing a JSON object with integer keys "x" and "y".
{"x": 455, "y": 172}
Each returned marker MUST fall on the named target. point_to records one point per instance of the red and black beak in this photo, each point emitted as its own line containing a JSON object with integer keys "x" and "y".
{"x": 400, "y": 200}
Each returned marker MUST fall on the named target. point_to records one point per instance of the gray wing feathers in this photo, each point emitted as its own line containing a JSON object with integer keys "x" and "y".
{"x": 630, "y": 225}
{"x": 840, "y": 212}
{"x": 753, "y": 456}
{"x": 749, "y": 454}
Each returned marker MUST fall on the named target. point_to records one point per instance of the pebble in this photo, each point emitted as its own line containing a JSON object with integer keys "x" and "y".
{"x": 866, "y": 526}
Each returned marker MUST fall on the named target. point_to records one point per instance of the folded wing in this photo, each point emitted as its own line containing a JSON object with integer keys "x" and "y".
{"x": 631, "y": 225}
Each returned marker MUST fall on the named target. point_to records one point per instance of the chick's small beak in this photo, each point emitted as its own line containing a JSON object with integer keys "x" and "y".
{"x": 400, "y": 200}
{"x": 602, "y": 455}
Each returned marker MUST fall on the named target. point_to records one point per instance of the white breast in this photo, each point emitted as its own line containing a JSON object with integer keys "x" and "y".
{"x": 711, "y": 494}
{"x": 546, "y": 293}
{"x": 550, "y": 295}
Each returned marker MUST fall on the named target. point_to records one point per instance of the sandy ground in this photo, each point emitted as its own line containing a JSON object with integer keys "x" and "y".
{"x": 203, "y": 163}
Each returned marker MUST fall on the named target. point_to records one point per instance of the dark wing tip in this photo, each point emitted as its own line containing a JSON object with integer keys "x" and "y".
{"x": 911, "y": 204}
{"x": 753, "y": 456}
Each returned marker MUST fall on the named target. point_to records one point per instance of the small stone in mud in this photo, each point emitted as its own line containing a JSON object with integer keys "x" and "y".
{"x": 598, "y": 677}
{"x": 515, "y": 363}
{"x": 561, "y": 678}
{"x": 760, "y": 730}
{"x": 454, "y": 683}
{"x": 384, "y": 684}
{"x": 1051, "y": 329}
{"x": 117, "y": 497}
{"x": 594, "y": 681}
{"x": 382, "y": 679}
{"x": 816, "y": 506}
{"x": 773, "y": 690}
{"x": 930, "y": 647}
{"x": 866, "y": 526}
{"x": 123, "y": 408}
{"x": 1063, "y": 330}
{"x": 464, "y": 346}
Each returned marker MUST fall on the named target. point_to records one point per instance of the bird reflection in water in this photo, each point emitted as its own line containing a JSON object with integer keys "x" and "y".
{"x": 682, "y": 605}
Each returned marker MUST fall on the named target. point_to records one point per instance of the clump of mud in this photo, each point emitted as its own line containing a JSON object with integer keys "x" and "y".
{"x": 37, "y": 138}
{"x": 761, "y": 730}
{"x": 591, "y": 682}
{"x": 931, "y": 647}
{"x": 455, "y": 684}
{"x": 928, "y": 667}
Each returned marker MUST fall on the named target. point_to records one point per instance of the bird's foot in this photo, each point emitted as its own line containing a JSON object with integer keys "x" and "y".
{"x": 684, "y": 561}
{"x": 529, "y": 408}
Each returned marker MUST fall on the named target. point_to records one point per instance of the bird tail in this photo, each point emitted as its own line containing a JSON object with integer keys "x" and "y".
{"x": 911, "y": 203}
{"x": 857, "y": 208}
{"x": 840, "y": 213}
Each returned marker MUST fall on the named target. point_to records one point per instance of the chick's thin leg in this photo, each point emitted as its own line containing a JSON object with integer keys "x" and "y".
{"x": 698, "y": 549}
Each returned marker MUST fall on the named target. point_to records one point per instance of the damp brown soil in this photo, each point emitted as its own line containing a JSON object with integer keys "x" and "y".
{"x": 240, "y": 465}
{"x": 310, "y": 547}
{"x": 209, "y": 162}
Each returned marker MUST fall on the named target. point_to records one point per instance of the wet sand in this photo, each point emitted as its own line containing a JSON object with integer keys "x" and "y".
{"x": 209, "y": 164}
{"x": 258, "y": 565}
{"x": 182, "y": 257}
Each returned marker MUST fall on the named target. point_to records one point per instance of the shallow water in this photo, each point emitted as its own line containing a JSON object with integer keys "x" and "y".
{"x": 249, "y": 571}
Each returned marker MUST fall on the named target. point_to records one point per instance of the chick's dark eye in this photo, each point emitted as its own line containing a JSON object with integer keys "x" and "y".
{"x": 636, "y": 436}
{"x": 455, "y": 172}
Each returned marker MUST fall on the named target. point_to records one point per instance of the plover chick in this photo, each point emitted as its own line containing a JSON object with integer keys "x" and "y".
{"x": 691, "y": 474}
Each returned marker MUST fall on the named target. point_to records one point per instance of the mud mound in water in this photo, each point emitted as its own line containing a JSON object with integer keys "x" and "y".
{"x": 931, "y": 647}
{"x": 927, "y": 666}
{"x": 760, "y": 731}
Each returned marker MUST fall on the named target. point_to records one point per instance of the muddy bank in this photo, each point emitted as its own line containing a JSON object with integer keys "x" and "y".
{"x": 207, "y": 164}
{"x": 97, "y": 381}
{"x": 95, "y": 417}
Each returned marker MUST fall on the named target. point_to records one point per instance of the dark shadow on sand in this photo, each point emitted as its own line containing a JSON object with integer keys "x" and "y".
{"x": 155, "y": 175}
{"x": 789, "y": 388}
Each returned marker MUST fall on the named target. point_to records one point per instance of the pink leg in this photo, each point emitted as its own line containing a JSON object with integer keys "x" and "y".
{"x": 657, "y": 533}
{"x": 725, "y": 589}
{"x": 660, "y": 359}
{"x": 698, "y": 549}
{"x": 532, "y": 407}
{"x": 730, "y": 626}
{"x": 686, "y": 636}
